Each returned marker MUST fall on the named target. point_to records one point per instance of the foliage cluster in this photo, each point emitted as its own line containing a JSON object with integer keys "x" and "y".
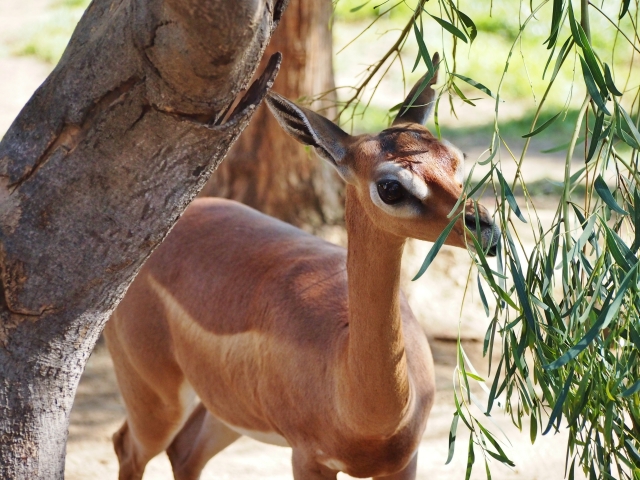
{"x": 567, "y": 310}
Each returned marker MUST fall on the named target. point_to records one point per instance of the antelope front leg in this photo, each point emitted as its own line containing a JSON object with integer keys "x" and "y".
{"x": 307, "y": 469}
{"x": 408, "y": 473}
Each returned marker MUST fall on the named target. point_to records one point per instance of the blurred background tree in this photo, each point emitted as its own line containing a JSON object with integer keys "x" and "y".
{"x": 287, "y": 180}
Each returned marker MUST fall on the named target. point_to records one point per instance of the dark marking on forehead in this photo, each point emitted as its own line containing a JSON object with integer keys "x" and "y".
{"x": 409, "y": 140}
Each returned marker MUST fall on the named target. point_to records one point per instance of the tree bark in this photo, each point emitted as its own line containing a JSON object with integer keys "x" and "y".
{"x": 95, "y": 170}
{"x": 267, "y": 169}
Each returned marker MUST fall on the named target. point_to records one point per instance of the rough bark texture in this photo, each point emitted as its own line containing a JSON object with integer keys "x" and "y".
{"x": 94, "y": 172}
{"x": 267, "y": 169}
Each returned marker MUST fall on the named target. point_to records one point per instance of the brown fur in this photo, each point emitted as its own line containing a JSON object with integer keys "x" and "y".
{"x": 281, "y": 333}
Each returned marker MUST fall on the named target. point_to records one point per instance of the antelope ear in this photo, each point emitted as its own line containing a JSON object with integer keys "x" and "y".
{"x": 422, "y": 107}
{"x": 309, "y": 128}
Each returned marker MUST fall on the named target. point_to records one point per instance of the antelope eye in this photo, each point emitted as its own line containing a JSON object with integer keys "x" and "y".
{"x": 391, "y": 191}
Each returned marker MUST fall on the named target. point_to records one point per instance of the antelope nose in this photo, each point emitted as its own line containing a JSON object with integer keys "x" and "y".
{"x": 484, "y": 228}
{"x": 483, "y": 221}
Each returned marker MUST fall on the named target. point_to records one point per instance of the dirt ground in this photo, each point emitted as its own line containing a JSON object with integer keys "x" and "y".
{"x": 98, "y": 412}
{"x": 98, "y": 409}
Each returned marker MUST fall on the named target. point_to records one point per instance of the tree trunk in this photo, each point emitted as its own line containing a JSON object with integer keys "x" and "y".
{"x": 266, "y": 168}
{"x": 95, "y": 170}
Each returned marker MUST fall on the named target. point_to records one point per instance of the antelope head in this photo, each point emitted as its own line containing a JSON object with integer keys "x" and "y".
{"x": 407, "y": 180}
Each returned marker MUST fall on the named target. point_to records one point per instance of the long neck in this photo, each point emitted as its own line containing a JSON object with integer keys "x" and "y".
{"x": 374, "y": 384}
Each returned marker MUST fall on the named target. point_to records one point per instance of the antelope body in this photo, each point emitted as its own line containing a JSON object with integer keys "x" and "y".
{"x": 240, "y": 324}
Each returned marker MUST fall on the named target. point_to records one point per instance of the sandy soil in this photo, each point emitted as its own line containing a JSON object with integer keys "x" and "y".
{"x": 98, "y": 410}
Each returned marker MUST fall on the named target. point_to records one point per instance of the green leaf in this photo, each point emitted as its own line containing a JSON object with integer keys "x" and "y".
{"x": 614, "y": 249}
{"x": 452, "y": 437}
{"x": 592, "y": 87}
{"x": 595, "y": 136}
{"x": 533, "y": 428}
{"x": 424, "y": 52}
{"x": 425, "y": 81}
{"x": 355, "y": 9}
{"x": 501, "y": 456}
{"x": 582, "y": 241}
{"x": 625, "y": 8}
{"x": 452, "y": 29}
{"x": 486, "y": 469}
{"x": 494, "y": 387}
{"x": 542, "y": 127}
{"x": 471, "y": 458}
{"x": 510, "y": 198}
{"x": 574, "y": 27}
{"x": 629, "y": 124}
{"x": 635, "y": 388}
{"x": 523, "y": 296}
{"x": 436, "y": 247}
{"x": 396, "y": 107}
{"x": 483, "y": 297}
{"x": 606, "y": 315}
{"x": 592, "y": 61}
{"x": 562, "y": 56}
{"x": 609, "y": 81}
{"x": 473, "y": 83}
{"x": 555, "y": 23}
{"x": 556, "y": 413}
{"x": 474, "y": 376}
{"x": 607, "y": 197}
{"x": 461, "y": 95}
{"x": 472, "y": 30}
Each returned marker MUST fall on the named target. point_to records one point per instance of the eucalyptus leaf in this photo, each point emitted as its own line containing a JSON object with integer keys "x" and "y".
{"x": 452, "y": 437}
{"x": 475, "y": 84}
{"x": 437, "y": 245}
{"x": 452, "y": 29}
{"x": 609, "y": 81}
{"x": 543, "y": 126}
{"x": 606, "y": 195}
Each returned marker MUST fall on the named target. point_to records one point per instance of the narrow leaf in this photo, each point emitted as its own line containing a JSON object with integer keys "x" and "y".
{"x": 424, "y": 52}
{"x": 606, "y": 315}
{"x": 574, "y": 26}
{"x": 542, "y": 127}
{"x": 423, "y": 85}
{"x": 452, "y": 437}
{"x": 473, "y": 83}
{"x": 471, "y": 458}
{"x": 472, "y": 30}
{"x": 355, "y": 9}
{"x": 556, "y": 413}
{"x": 609, "y": 81}
{"x": 635, "y": 388}
{"x": 483, "y": 297}
{"x": 452, "y": 29}
{"x": 606, "y": 195}
{"x": 592, "y": 88}
{"x": 590, "y": 58}
{"x": 630, "y": 125}
{"x": 533, "y": 428}
{"x": 562, "y": 56}
{"x": 555, "y": 23}
{"x": 461, "y": 95}
{"x": 523, "y": 296}
{"x": 625, "y": 8}
{"x": 436, "y": 247}
{"x": 595, "y": 136}
{"x": 510, "y": 198}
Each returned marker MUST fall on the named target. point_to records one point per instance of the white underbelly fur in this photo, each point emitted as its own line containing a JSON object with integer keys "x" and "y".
{"x": 271, "y": 438}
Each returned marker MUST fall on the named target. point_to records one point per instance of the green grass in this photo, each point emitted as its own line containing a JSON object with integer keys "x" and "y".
{"x": 48, "y": 39}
